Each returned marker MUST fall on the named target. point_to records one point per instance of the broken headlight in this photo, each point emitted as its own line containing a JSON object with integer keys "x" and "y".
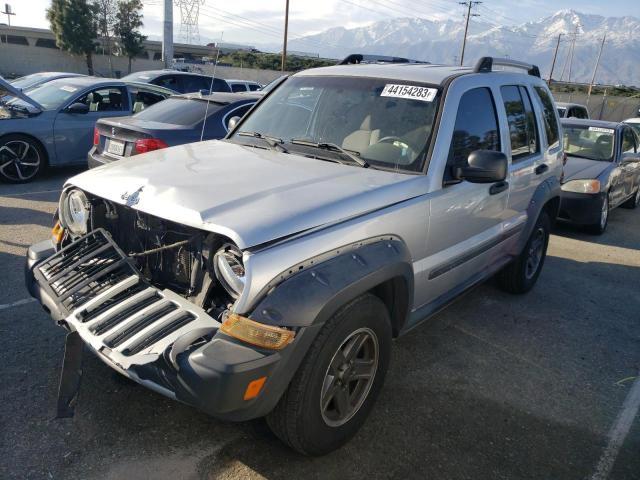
{"x": 74, "y": 211}
{"x": 229, "y": 269}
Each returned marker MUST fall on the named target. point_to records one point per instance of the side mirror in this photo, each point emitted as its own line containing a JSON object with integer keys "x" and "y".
{"x": 233, "y": 122}
{"x": 484, "y": 166}
{"x": 77, "y": 108}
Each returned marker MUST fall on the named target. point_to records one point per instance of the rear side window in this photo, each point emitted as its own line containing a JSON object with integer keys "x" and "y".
{"x": 522, "y": 128}
{"x": 168, "y": 81}
{"x": 253, "y": 87}
{"x": 550, "y": 120}
{"x": 238, "y": 87}
{"x": 581, "y": 112}
{"x": 476, "y": 128}
{"x": 220, "y": 85}
{"x": 195, "y": 83}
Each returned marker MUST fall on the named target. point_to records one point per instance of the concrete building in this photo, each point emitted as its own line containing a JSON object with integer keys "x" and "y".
{"x": 25, "y": 50}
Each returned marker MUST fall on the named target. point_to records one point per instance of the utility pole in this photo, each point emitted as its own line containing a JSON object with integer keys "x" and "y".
{"x": 469, "y": 4}
{"x": 286, "y": 30}
{"x": 8, "y": 12}
{"x": 573, "y": 48}
{"x": 595, "y": 69}
{"x": 555, "y": 55}
{"x": 167, "y": 34}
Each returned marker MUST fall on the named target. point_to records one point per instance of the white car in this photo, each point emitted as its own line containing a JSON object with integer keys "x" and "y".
{"x": 243, "y": 85}
{"x": 634, "y": 123}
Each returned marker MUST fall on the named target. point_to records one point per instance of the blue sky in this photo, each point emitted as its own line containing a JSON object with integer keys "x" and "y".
{"x": 260, "y": 21}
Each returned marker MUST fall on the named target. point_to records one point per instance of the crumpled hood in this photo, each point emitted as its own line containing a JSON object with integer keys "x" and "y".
{"x": 582, "y": 168}
{"x": 250, "y": 195}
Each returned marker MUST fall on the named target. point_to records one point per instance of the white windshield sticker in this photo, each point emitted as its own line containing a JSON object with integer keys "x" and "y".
{"x": 412, "y": 92}
{"x": 69, "y": 89}
{"x": 601, "y": 130}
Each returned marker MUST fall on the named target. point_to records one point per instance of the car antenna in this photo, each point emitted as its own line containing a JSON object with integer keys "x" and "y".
{"x": 213, "y": 77}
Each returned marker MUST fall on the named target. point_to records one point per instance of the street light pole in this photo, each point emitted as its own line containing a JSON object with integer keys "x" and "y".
{"x": 595, "y": 69}
{"x": 167, "y": 34}
{"x": 555, "y": 55}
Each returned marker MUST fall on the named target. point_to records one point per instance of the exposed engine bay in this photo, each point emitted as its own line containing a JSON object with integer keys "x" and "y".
{"x": 203, "y": 267}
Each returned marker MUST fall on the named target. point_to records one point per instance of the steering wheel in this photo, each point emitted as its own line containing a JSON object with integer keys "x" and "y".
{"x": 398, "y": 142}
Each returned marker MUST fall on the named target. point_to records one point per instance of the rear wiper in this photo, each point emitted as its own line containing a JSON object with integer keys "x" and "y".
{"x": 332, "y": 147}
{"x": 274, "y": 142}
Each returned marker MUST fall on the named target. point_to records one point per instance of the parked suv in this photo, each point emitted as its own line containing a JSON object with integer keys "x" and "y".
{"x": 267, "y": 274}
{"x": 182, "y": 82}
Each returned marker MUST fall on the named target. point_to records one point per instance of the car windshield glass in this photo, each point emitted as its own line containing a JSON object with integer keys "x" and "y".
{"x": 593, "y": 143}
{"x": 386, "y": 123}
{"x": 51, "y": 95}
{"x": 178, "y": 111}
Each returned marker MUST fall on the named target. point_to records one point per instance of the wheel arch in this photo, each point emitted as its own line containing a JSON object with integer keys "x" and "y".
{"x": 313, "y": 295}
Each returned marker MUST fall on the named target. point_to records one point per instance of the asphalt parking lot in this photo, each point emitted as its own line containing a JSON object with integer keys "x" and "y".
{"x": 494, "y": 387}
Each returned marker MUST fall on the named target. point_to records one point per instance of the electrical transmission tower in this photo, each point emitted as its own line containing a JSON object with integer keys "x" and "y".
{"x": 189, "y": 11}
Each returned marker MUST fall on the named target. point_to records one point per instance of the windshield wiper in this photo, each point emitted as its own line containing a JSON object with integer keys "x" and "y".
{"x": 332, "y": 147}
{"x": 273, "y": 142}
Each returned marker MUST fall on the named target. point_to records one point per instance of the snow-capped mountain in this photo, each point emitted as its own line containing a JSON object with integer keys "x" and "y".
{"x": 440, "y": 42}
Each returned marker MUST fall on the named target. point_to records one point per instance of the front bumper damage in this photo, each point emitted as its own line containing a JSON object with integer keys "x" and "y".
{"x": 155, "y": 337}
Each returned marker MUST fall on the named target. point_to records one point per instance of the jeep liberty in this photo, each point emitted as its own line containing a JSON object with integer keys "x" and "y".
{"x": 266, "y": 274}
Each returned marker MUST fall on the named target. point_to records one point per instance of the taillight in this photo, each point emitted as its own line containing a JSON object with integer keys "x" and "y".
{"x": 145, "y": 145}
{"x": 96, "y": 136}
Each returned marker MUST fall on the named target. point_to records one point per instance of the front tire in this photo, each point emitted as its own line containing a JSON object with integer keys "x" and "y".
{"x": 21, "y": 159}
{"x": 600, "y": 226}
{"x": 338, "y": 382}
{"x": 522, "y": 273}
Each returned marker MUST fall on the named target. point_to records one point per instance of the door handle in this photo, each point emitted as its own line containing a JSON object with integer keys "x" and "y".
{"x": 540, "y": 169}
{"x": 498, "y": 187}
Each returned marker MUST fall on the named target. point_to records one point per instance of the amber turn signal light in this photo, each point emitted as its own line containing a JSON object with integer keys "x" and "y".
{"x": 254, "y": 388}
{"x": 57, "y": 232}
{"x": 259, "y": 334}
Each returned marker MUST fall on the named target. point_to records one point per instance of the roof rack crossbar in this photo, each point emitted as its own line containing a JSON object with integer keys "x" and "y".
{"x": 485, "y": 65}
{"x": 356, "y": 58}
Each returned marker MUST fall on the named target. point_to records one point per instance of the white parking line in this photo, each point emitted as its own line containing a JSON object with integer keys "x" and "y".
{"x": 24, "y": 301}
{"x": 30, "y": 193}
{"x": 619, "y": 432}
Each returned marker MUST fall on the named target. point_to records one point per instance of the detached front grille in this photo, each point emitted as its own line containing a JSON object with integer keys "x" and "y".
{"x": 115, "y": 310}
{"x": 84, "y": 269}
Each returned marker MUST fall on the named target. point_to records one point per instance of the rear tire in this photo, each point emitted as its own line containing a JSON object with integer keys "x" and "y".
{"x": 22, "y": 159}
{"x": 522, "y": 273}
{"x": 338, "y": 381}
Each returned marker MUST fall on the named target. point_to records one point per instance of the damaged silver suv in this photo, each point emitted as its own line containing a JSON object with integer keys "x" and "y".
{"x": 267, "y": 274}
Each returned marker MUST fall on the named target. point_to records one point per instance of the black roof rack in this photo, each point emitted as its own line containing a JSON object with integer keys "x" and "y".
{"x": 356, "y": 58}
{"x": 485, "y": 65}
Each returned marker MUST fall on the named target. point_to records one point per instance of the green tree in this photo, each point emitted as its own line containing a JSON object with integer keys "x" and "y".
{"x": 106, "y": 20}
{"x": 74, "y": 26}
{"x": 128, "y": 23}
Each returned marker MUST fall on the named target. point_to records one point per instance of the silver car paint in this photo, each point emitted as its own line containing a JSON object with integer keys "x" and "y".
{"x": 255, "y": 196}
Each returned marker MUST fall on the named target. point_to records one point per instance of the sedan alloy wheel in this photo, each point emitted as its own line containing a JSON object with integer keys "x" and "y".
{"x": 20, "y": 161}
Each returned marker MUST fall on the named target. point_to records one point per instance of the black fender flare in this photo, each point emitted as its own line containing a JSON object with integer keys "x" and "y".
{"x": 546, "y": 197}
{"x": 312, "y": 295}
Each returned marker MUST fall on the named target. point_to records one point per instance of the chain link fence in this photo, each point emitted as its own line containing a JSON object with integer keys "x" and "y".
{"x": 604, "y": 107}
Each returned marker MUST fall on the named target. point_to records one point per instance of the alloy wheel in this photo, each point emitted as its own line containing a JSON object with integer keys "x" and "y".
{"x": 604, "y": 213}
{"x": 535, "y": 253}
{"x": 19, "y": 160}
{"x": 349, "y": 377}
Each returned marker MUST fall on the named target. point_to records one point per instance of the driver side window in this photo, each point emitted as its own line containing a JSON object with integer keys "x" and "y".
{"x": 104, "y": 100}
{"x": 476, "y": 128}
